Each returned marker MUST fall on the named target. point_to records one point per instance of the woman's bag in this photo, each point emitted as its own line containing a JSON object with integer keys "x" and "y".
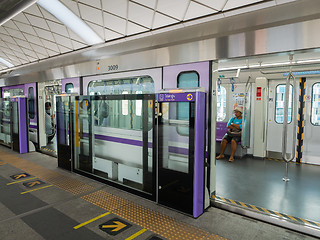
{"x": 234, "y": 132}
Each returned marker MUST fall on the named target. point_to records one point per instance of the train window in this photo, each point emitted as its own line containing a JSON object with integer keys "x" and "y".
{"x": 69, "y": 88}
{"x": 31, "y": 103}
{"x": 125, "y": 105}
{"x": 280, "y": 94}
{"x": 144, "y": 84}
{"x": 13, "y": 92}
{"x": 138, "y": 105}
{"x": 315, "y": 109}
{"x": 186, "y": 80}
{"x": 127, "y": 113}
{"x": 221, "y": 104}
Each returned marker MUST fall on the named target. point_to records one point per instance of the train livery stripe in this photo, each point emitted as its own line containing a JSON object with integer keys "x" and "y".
{"x": 263, "y": 210}
{"x": 301, "y": 111}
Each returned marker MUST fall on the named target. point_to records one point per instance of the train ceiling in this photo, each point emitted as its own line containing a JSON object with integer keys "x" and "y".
{"x": 30, "y": 33}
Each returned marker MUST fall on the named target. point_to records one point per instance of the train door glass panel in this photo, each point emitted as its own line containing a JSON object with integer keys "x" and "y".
{"x": 15, "y": 126}
{"x": 69, "y": 88}
{"x": 275, "y": 118}
{"x": 311, "y": 140}
{"x": 185, "y": 80}
{"x": 5, "y": 122}
{"x": 221, "y": 103}
{"x": 31, "y": 103}
{"x": 315, "y": 104}
{"x": 176, "y": 156}
{"x": 63, "y": 131}
{"x": 83, "y": 134}
{"x": 280, "y": 93}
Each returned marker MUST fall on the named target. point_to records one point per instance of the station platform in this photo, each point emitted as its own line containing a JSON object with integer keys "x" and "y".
{"x": 40, "y": 201}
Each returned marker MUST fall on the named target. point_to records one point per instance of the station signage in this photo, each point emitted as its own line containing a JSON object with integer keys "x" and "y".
{"x": 176, "y": 97}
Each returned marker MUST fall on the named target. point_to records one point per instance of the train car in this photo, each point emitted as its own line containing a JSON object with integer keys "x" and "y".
{"x": 107, "y": 112}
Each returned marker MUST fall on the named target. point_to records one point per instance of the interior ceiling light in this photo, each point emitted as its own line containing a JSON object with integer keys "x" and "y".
{"x": 232, "y": 68}
{"x": 255, "y": 66}
{"x": 5, "y": 62}
{"x": 68, "y": 18}
{"x": 308, "y": 61}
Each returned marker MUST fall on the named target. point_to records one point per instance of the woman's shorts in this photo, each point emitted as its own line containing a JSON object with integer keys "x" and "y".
{"x": 229, "y": 138}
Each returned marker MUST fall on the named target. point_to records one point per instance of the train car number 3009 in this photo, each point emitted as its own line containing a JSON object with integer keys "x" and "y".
{"x": 113, "y": 67}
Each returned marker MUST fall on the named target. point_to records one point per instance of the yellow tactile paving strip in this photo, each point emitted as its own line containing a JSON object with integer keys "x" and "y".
{"x": 106, "y": 200}
{"x": 156, "y": 222}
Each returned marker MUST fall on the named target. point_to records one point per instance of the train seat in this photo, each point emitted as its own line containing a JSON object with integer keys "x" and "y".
{"x": 221, "y": 129}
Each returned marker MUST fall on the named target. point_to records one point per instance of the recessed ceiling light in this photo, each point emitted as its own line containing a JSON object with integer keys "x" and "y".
{"x": 72, "y": 21}
{"x": 5, "y": 62}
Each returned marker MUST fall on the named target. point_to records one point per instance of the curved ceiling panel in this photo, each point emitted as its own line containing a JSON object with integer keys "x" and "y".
{"x": 29, "y": 33}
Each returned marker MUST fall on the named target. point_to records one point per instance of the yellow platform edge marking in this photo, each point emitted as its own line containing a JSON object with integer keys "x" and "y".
{"x": 266, "y": 211}
{"x": 21, "y": 181}
{"x": 91, "y": 220}
{"x": 223, "y": 199}
{"x": 279, "y": 214}
{"x": 303, "y": 220}
{"x": 136, "y": 234}
{"x": 254, "y": 207}
{"x": 292, "y": 218}
{"x": 36, "y": 189}
{"x": 243, "y": 204}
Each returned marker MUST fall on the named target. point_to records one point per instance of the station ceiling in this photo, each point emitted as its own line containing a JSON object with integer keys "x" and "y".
{"x": 33, "y": 34}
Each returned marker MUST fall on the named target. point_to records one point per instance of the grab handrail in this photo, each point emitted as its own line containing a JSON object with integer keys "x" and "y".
{"x": 285, "y": 122}
{"x": 247, "y": 88}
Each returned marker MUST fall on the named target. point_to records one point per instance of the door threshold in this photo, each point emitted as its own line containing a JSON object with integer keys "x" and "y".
{"x": 296, "y": 224}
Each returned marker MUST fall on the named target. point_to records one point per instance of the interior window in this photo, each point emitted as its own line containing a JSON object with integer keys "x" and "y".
{"x": 315, "y": 109}
{"x": 221, "y": 103}
{"x": 280, "y": 94}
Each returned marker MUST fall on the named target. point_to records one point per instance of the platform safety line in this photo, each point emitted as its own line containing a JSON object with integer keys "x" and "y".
{"x": 36, "y": 189}
{"x": 91, "y": 220}
{"x": 260, "y": 209}
{"x": 136, "y": 234}
{"x": 21, "y": 181}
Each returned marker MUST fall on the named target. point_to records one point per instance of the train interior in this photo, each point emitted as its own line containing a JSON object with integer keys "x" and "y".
{"x": 269, "y": 177}
{"x": 47, "y": 120}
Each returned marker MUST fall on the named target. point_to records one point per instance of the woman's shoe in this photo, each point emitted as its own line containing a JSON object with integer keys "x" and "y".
{"x": 220, "y": 157}
{"x": 231, "y": 159}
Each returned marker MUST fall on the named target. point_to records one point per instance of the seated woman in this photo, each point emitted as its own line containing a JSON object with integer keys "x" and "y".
{"x": 235, "y": 124}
